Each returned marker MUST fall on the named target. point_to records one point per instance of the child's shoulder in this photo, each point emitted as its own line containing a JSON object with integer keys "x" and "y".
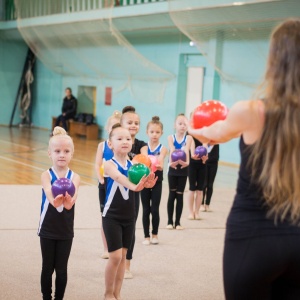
{"x": 45, "y": 176}
{"x": 101, "y": 144}
{"x": 45, "y": 173}
{"x": 76, "y": 177}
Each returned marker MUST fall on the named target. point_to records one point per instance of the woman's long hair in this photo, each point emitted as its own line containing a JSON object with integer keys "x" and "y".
{"x": 276, "y": 155}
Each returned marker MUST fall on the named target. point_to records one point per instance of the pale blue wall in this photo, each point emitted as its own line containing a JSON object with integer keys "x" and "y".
{"x": 245, "y": 61}
{"x": 165, "y": 51}
{"x": 48, "y": 92}
{"x": 12, "y": 59}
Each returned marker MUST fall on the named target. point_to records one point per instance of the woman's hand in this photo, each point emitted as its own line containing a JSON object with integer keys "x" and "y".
{"x": 198, "y": 134}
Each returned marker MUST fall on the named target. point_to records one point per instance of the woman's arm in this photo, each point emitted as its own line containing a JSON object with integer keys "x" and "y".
{"x": 239, "y": 119}
{"x": 99, "y": 162}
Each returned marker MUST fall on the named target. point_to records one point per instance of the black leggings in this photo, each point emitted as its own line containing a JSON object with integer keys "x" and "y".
{"x": 176, "y": 190}
{"x": 211, "y": 172}
{"x": 150, "y": 201}
{"x": 137, "y": 207}
{"x": 55, "y": 254}
{"x": 63, "y": 120}
{"x": 102, "y": 194}
{"x": 262, "y": 268}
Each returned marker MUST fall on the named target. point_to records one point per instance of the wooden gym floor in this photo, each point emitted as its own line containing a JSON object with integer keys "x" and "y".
{"x": 23, "y": 156}
{"x": 186, "y": 264}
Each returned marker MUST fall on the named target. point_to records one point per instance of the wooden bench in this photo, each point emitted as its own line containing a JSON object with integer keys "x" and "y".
{"x": 77, "y": 128}
{"x": 54, "y": 121}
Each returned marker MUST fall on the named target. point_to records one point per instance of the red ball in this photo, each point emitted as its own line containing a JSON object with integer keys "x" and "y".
{"x": 208, "y": 113}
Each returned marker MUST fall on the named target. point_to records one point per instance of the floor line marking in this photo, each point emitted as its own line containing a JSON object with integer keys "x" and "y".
{"x": 37, "y": 168}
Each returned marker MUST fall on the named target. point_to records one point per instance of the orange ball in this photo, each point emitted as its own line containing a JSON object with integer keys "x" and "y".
{"x": 102, "y": 170}
{"x": 142, "y": 159}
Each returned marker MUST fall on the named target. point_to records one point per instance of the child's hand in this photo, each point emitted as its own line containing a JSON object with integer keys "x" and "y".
{"x": 151, "y": 180}
{"x": 58, "y": 200}
{"x": 159, "y": 167}
{"x": 204, "y": 158}
{"x": 68, "y": 201}
{"x": 140, "y": 186}
{"x": 183, "y": 164}
{"x": 101, "y": 181}
{"x": 174, "y": 164}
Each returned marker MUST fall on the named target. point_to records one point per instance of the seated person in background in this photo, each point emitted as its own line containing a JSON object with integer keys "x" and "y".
{"x": 68, "y": 110}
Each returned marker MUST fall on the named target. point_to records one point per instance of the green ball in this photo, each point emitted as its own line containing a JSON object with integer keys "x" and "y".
{"x": 136, "y": 172}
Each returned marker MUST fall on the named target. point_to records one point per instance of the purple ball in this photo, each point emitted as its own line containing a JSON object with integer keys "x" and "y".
{"x": 178, "y": 154}
{"x": 200, "y": 151}
{"x": 61, "y": 186}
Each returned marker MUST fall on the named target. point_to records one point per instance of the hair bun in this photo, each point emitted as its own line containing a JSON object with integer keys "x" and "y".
{"x": 117, "y": 125}
{"x": 117, "y": 114}
{"x": 155, "y": 119}
{"x": 127, "y": 109}
{"x": 58, "y": 131}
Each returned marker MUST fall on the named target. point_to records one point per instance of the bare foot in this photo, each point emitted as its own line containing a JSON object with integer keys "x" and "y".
{"x": 197, "y": 217}
{"x": 202, "y": 208}
{"x": 191, "y": 217}
{"x": 109, "y": 297}
{"x": 207, "y": 208}
{"x": 146, "y": 241}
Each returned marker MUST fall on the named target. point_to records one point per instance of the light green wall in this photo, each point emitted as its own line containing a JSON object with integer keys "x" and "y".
{"x": 172, "y": 53}
{"x": 12, "y": 59}
{"x": 48, "y": 93}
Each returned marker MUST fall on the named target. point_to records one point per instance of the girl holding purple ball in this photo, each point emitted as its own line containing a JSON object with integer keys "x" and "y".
{"x": 56, "y": 228}
{"x": 197, "y": 173}
{"x": 178, "y": 170}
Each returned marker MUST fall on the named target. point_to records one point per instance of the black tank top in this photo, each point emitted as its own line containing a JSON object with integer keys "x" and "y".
{"x": 248, "y": 215}
{"x": 193, "y": 162}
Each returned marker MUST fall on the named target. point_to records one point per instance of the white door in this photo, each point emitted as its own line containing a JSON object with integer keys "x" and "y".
{"x": 194, "y": 89}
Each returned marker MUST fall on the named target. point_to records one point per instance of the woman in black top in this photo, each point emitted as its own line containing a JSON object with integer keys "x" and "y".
{"x": 131, "y": 121}
{"x": 211, "y": 172}
{"x": 262, "y": 242}
{"x": 68, "y": 110}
